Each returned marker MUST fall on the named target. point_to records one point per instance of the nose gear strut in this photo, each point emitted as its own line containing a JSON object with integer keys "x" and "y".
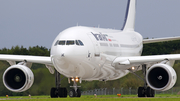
{"x": 75, "y": 92}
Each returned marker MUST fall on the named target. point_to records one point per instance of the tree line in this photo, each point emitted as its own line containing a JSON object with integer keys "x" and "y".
{"x": 43, "y": 80}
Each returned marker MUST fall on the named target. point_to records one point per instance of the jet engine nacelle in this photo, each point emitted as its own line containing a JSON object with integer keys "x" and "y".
{"x": 18, "y": 78}
{"x": 161, "y": 77}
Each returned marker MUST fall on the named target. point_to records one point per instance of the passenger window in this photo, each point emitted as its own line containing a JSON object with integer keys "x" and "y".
{"x": 80, "y": 42}
{"x": 62, "y": 42}
{"x": 70, "y": 42}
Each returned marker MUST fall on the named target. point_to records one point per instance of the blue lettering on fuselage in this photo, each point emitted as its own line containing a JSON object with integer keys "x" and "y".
{"x": 100, "y": 37}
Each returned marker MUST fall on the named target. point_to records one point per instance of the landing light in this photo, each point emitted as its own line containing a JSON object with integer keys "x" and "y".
{"x": 76, "y": 79}
{"x": 133, "y": 68}
{"x": 72, "y": 79}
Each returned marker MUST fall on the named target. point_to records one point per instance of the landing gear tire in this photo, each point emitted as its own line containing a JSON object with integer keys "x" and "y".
{"x": 58, "y": 90}
{"x": 62, "y": 92}
{"x": 145, "y": 91}
{"x": 78, "y": 94}
{"x": 150, "y": 92}
{"x": 72, "y": 93}
{"x": 54, "y": 93}
{"x": 141, "y": 92}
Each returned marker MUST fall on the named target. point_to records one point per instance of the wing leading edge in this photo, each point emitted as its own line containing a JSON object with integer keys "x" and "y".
{"x": 146, "y": 41}
{"x": 139, "y": 60}
{"x": 31, "y": 59}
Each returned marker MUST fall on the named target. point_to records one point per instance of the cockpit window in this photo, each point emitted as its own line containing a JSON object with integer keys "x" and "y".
{"x": 62, "y": 42}
{"x": 80, "y": 42}
{"x": 56, "y": 42}
{"x": 70, "y": 42}
{"x": 77, "y": 43}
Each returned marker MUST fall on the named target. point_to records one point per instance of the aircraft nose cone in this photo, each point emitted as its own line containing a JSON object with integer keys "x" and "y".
{"x": 64, "y": 53}
{"x": 60, "y": 51}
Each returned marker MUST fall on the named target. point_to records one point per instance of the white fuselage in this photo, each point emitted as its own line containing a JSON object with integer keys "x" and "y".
{"x": 88, "y": 60}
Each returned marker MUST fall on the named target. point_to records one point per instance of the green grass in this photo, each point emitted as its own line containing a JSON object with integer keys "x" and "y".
{"x": 159, "y": 97}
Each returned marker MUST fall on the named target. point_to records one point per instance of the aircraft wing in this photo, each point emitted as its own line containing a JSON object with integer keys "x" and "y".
{"x": 139, "y": 60}
{"x": 31, "y": 59}
{"x": 145, "y": 41}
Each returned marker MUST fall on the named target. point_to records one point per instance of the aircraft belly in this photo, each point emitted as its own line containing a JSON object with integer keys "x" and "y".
{"x": 83, "y": 69}
{"x": 88, "y": 69}
{"x": 110, "y": 73}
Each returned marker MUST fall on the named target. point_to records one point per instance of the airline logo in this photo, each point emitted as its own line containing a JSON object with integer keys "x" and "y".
{"x": 101, "y": 37}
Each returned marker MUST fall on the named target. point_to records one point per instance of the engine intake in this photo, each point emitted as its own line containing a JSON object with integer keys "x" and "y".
{"x": 18, "y": 78}
{"x": 161, "y": 77}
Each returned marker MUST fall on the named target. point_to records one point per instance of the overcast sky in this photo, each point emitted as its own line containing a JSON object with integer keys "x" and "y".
{"x": 38, "y": 22}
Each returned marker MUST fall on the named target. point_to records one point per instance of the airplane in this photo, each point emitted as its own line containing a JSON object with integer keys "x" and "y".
{"x": 88, "y": 53}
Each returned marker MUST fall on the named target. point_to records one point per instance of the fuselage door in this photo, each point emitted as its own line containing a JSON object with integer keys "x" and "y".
{"x": 95, "y": 44}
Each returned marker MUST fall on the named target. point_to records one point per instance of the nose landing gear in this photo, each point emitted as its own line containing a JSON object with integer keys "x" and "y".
{"x": 61, "y": 92}
{"x": 75, "y": 92}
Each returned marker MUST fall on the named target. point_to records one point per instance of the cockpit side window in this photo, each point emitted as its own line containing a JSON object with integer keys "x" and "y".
{"x": 80, "y": 42}
{"x": 70, "y": 42}
{"x": 62, "y": 42}
{"x": 77, "y": 43}
{"x": 56, "y": 42}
